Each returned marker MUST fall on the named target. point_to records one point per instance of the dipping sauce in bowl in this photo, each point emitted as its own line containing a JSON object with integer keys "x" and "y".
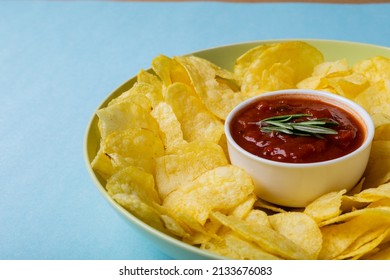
{"x": 259, "y": 138}
{"x": 321, "y": 144}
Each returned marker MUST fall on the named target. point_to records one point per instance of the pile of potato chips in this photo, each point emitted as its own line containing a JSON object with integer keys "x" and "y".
{"x": 163, "y": 156}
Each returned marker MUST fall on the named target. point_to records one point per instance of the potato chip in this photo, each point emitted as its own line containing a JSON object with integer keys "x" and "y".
{"x": 161, "y": 65}
{"x": 296, "y": 61}
{"x": 382, "y": 126}
{"x": 384, "y": 211}
{"x": 329, "y": 67}
{"x": 376, "y": 69}
{"x": 125, "y": 115}
{"x": 102, "y": 164}
{"x": 326, "y": 206}
{"x": 384, "y": 202}
{"x": 278, "y": 76}
{"x": 187, "y": 163}
{"x": 217, "y": 96}
{"x": 246, "y": 250}
{"x": 258, "y": 217}
{"x": 208, "y": 234}
{"x": 366, "y": 243}
{"x": 169, "y": 71}
{"x": 138, "y": 147}
{"x": 222, "y": 188}
{"x": 169, "y": 126}
{"x": 262, "y": 204}
{"x": 301, "y": 229}
{"x": 137, "y": 95}
{"x": 243, "y": 209}
{"x": 374, "y": 194}
{"x": 174, "y": 227}
{"x": 245, "y": 60}
{"x": 197, "y": 123}
{"x": 348, "y": 228}
{"x": 265, "y": 237}
{"x": 378, "y": 168}
{"x": 151, "y": 79}
{"x": 347, "y": 84}
{"x": 376, "y": 98}
{"x": 382, "y": 254}
{"x": 133, "y": 180}
{"x": 134, "y": 189}
{"x": 336, "y": 77}
{"x": 136, "y": 143}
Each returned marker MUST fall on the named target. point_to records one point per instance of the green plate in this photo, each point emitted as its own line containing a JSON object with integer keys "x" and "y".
{"x": 225, "y": 57}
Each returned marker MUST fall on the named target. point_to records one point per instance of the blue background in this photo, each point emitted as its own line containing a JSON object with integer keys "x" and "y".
{"x": 59, "y": 60}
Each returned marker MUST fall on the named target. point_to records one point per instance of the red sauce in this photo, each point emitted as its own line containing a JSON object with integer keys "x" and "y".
{"x": 283, "y": 147}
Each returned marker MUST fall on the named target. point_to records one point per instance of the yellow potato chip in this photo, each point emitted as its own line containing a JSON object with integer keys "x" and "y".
{"x": 384, "y": 202}
{"x": 246, "y": 250}
{"x": 197, "y": 123}
{"x": 102, "y": 164}
{"x": 169, "y": 71}
{"x": 188, "y": 162}
{"x": 169, "y": 126}
{"x": 218, "y": 97}
{"x": 376, "y": 98}
{"x": 136, "y": 94}
{"x": 374, "y": 194}
{"x": 222, "y": 188}
{"x": 151, "y": 79}
{"x": 218, "y": 247}
{"x": 136, "y": 143}
{"x": 326, "y": 206}
{"x": 366, "y": 243}
{"x": 243, "y": 209}
{"x": 134, "y": 189}
{"x": 301, "y": 229}
{"x": 336, "y": 77}
{"x": 258, "y": 217}
{"x": 315, "y": 82}
{"x": 245, "y": 60}
{"x": 208, "y": 234}
{"x": 298, "y": 57}
{"x": 378, "y": 168}
{"x": 262, "y": 204}
{"x": 266, "y": 238}
{"x": 347, "y": 84}
{"x": 382, "y": 126}
{"x": 174, "y": 227}
{"x": 376, "y": 69}
{"x": 124, "y": 115}
{"x": 132, "y": 180}
{"x": 278, "y": 76}
{"x": 382, "y": 254}
{"x": 379, "y": 211}
{"x": 138, "y": 147}
{"x": 349, "y": 228}
{"x": 328, "y": 67}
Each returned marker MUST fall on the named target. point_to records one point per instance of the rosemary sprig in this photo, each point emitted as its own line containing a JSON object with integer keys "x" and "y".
{"x": 286, "y": 124}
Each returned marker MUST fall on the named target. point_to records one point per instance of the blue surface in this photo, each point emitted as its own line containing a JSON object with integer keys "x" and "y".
{"x": 59, "y": 60}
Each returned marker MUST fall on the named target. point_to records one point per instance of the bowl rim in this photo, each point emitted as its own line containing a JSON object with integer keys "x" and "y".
{"x": 364, "y": 117}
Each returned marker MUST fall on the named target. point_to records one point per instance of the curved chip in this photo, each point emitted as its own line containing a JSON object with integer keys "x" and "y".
{"x": 222, "y": 188}
{"x": 280, "y": 66}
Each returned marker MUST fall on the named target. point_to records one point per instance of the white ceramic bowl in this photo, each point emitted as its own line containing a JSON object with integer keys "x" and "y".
{"x": 297, "y": 184}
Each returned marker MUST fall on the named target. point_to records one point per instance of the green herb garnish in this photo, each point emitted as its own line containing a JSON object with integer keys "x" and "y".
{"x": 286, "y": 124}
